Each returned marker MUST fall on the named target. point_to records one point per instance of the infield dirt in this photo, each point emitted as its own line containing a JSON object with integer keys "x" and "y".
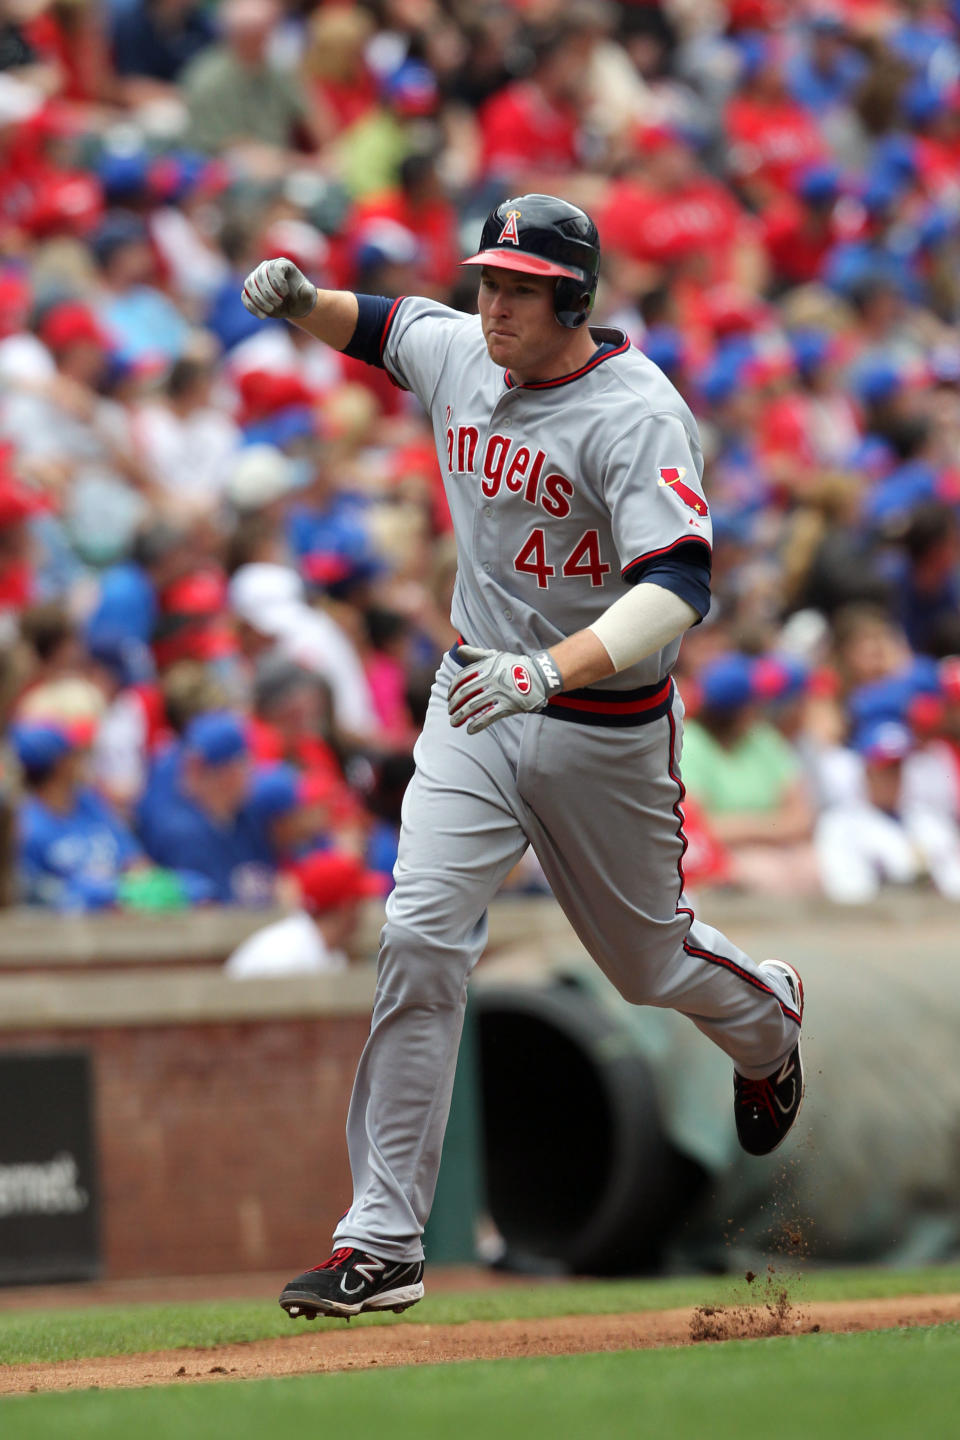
{"x": 317, "y": 1349}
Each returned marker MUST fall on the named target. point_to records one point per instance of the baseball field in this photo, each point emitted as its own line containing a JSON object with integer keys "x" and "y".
{"x": 857, "y": 1354}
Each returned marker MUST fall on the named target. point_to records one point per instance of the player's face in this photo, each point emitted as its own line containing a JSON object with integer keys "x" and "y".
{"x": 519, "y": 324}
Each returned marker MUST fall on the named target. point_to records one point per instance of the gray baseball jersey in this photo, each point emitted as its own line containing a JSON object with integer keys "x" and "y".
{"x": 559, "y": 493}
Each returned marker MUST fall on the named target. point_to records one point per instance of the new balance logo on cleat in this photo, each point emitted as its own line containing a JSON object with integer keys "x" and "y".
{"x": 350, "y": 1282}
{"x": 780, "y": 1089}
{"x": 368, "y": 1270}
{"x": 766, "y": 1109}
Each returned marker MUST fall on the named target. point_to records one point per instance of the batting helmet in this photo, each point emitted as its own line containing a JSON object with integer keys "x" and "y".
{"x": 541, "y": 235}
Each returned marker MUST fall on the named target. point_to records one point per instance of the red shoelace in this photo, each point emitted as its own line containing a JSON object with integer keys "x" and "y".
{"x": 338, "y": 1258}
{"x": 759, "y": 1093}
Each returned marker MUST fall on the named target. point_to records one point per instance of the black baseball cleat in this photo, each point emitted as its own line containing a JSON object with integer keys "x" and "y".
{"x": 352, "y": 1281}
{"x": 766, "y": 1109}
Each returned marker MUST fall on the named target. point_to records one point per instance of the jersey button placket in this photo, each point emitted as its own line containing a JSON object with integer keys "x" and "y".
{"x": 486, "y": 537}
{"x": 504, "y": 419}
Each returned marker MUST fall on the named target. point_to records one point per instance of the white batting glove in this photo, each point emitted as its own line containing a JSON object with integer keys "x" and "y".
{"x": 496, "y": 683}
{"x": 277, "y": 287}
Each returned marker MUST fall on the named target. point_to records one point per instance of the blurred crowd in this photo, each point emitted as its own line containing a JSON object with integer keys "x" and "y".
{"x": 225, "y": 556}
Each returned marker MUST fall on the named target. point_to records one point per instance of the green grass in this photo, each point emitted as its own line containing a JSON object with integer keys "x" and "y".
{"x": 30, "y": 1335}
{"x": 889, "y": 1385}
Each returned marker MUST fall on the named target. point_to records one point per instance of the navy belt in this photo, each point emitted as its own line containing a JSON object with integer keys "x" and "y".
{"x": 613, "y": 708}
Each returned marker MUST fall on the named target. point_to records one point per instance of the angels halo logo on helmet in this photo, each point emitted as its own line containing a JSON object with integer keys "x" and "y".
{"x": 509, "y": 231}
{"x": 543, "y": 235}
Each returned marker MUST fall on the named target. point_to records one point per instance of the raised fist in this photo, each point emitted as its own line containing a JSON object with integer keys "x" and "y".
{"x": 277, "y": 287}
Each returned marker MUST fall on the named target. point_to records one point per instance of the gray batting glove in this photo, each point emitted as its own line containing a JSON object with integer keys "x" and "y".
{"x": 496, "y": 683}
{"x": 277, "y": 287}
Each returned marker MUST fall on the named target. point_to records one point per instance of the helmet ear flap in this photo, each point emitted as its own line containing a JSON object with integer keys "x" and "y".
{"x": 571, "y": 303}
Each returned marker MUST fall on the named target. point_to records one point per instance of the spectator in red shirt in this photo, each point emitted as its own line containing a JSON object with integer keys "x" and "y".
{"x": 801, "y": 227}
{"x": 335, "y": 70}
{"x": 670, "y": 212}
{"x": 770, "y": 136}
{"x": 533, "y": 126}
{"x": 934, "y": 115}
{"x": 291, "y": 726}
{"x": 70, "y": 38}
{"x": 17, "y": 503}
{"x": 292, "y": 719}
{"x": 41, "y": 194}
{"x": 420, "y": 204}
{"x": 192, "y": 624}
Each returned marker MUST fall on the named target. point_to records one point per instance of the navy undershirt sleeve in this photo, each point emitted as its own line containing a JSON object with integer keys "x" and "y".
{"x": 365, "y": 342}
{"x": 685, "y": 571}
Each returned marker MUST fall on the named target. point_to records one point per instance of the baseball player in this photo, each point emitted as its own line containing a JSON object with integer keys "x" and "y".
{"x": 573, "y": 471}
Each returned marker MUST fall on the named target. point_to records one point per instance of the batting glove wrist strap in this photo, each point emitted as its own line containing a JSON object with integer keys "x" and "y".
{"x": 549, "y": 673}
{"x": 495, "y": 683}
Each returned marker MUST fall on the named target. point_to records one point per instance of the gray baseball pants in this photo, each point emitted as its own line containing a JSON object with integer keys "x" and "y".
{"x": 599, "y": 807}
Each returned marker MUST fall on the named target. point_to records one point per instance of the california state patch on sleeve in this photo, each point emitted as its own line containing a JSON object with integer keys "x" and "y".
{"x": 672, "y": 477}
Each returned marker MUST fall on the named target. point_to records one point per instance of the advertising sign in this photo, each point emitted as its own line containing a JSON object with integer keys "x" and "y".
{"x": 49, "y": 1223}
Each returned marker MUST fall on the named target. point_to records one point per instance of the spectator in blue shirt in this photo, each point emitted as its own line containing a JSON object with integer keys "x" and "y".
{"x": 145, "y": 325}
{"x": 203, "y": 822}
{"x": 827, "y": 70}
{"x": 154, "y": 39}
{"x": 927, "y": 579}
{"x": 291, "y": 811}
{"x": 73, "y": 850}
{"x": 128, "y": 604}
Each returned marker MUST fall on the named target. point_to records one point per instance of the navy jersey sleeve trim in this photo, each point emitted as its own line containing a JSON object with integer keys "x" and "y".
{"x": 373, "y": 323}
{"x": 630, "y": 571}
{"x": 684, "y": 581}
{"x": 683, "y": 568}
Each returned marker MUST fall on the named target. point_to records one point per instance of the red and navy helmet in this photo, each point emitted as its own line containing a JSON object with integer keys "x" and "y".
{"x": 541, "y": 235}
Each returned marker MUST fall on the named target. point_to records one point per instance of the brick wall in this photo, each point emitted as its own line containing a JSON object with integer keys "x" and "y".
{"x": 221, "y": 1145}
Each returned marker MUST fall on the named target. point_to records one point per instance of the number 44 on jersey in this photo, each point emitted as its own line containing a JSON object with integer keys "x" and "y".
{"x": 583, "y": 562}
